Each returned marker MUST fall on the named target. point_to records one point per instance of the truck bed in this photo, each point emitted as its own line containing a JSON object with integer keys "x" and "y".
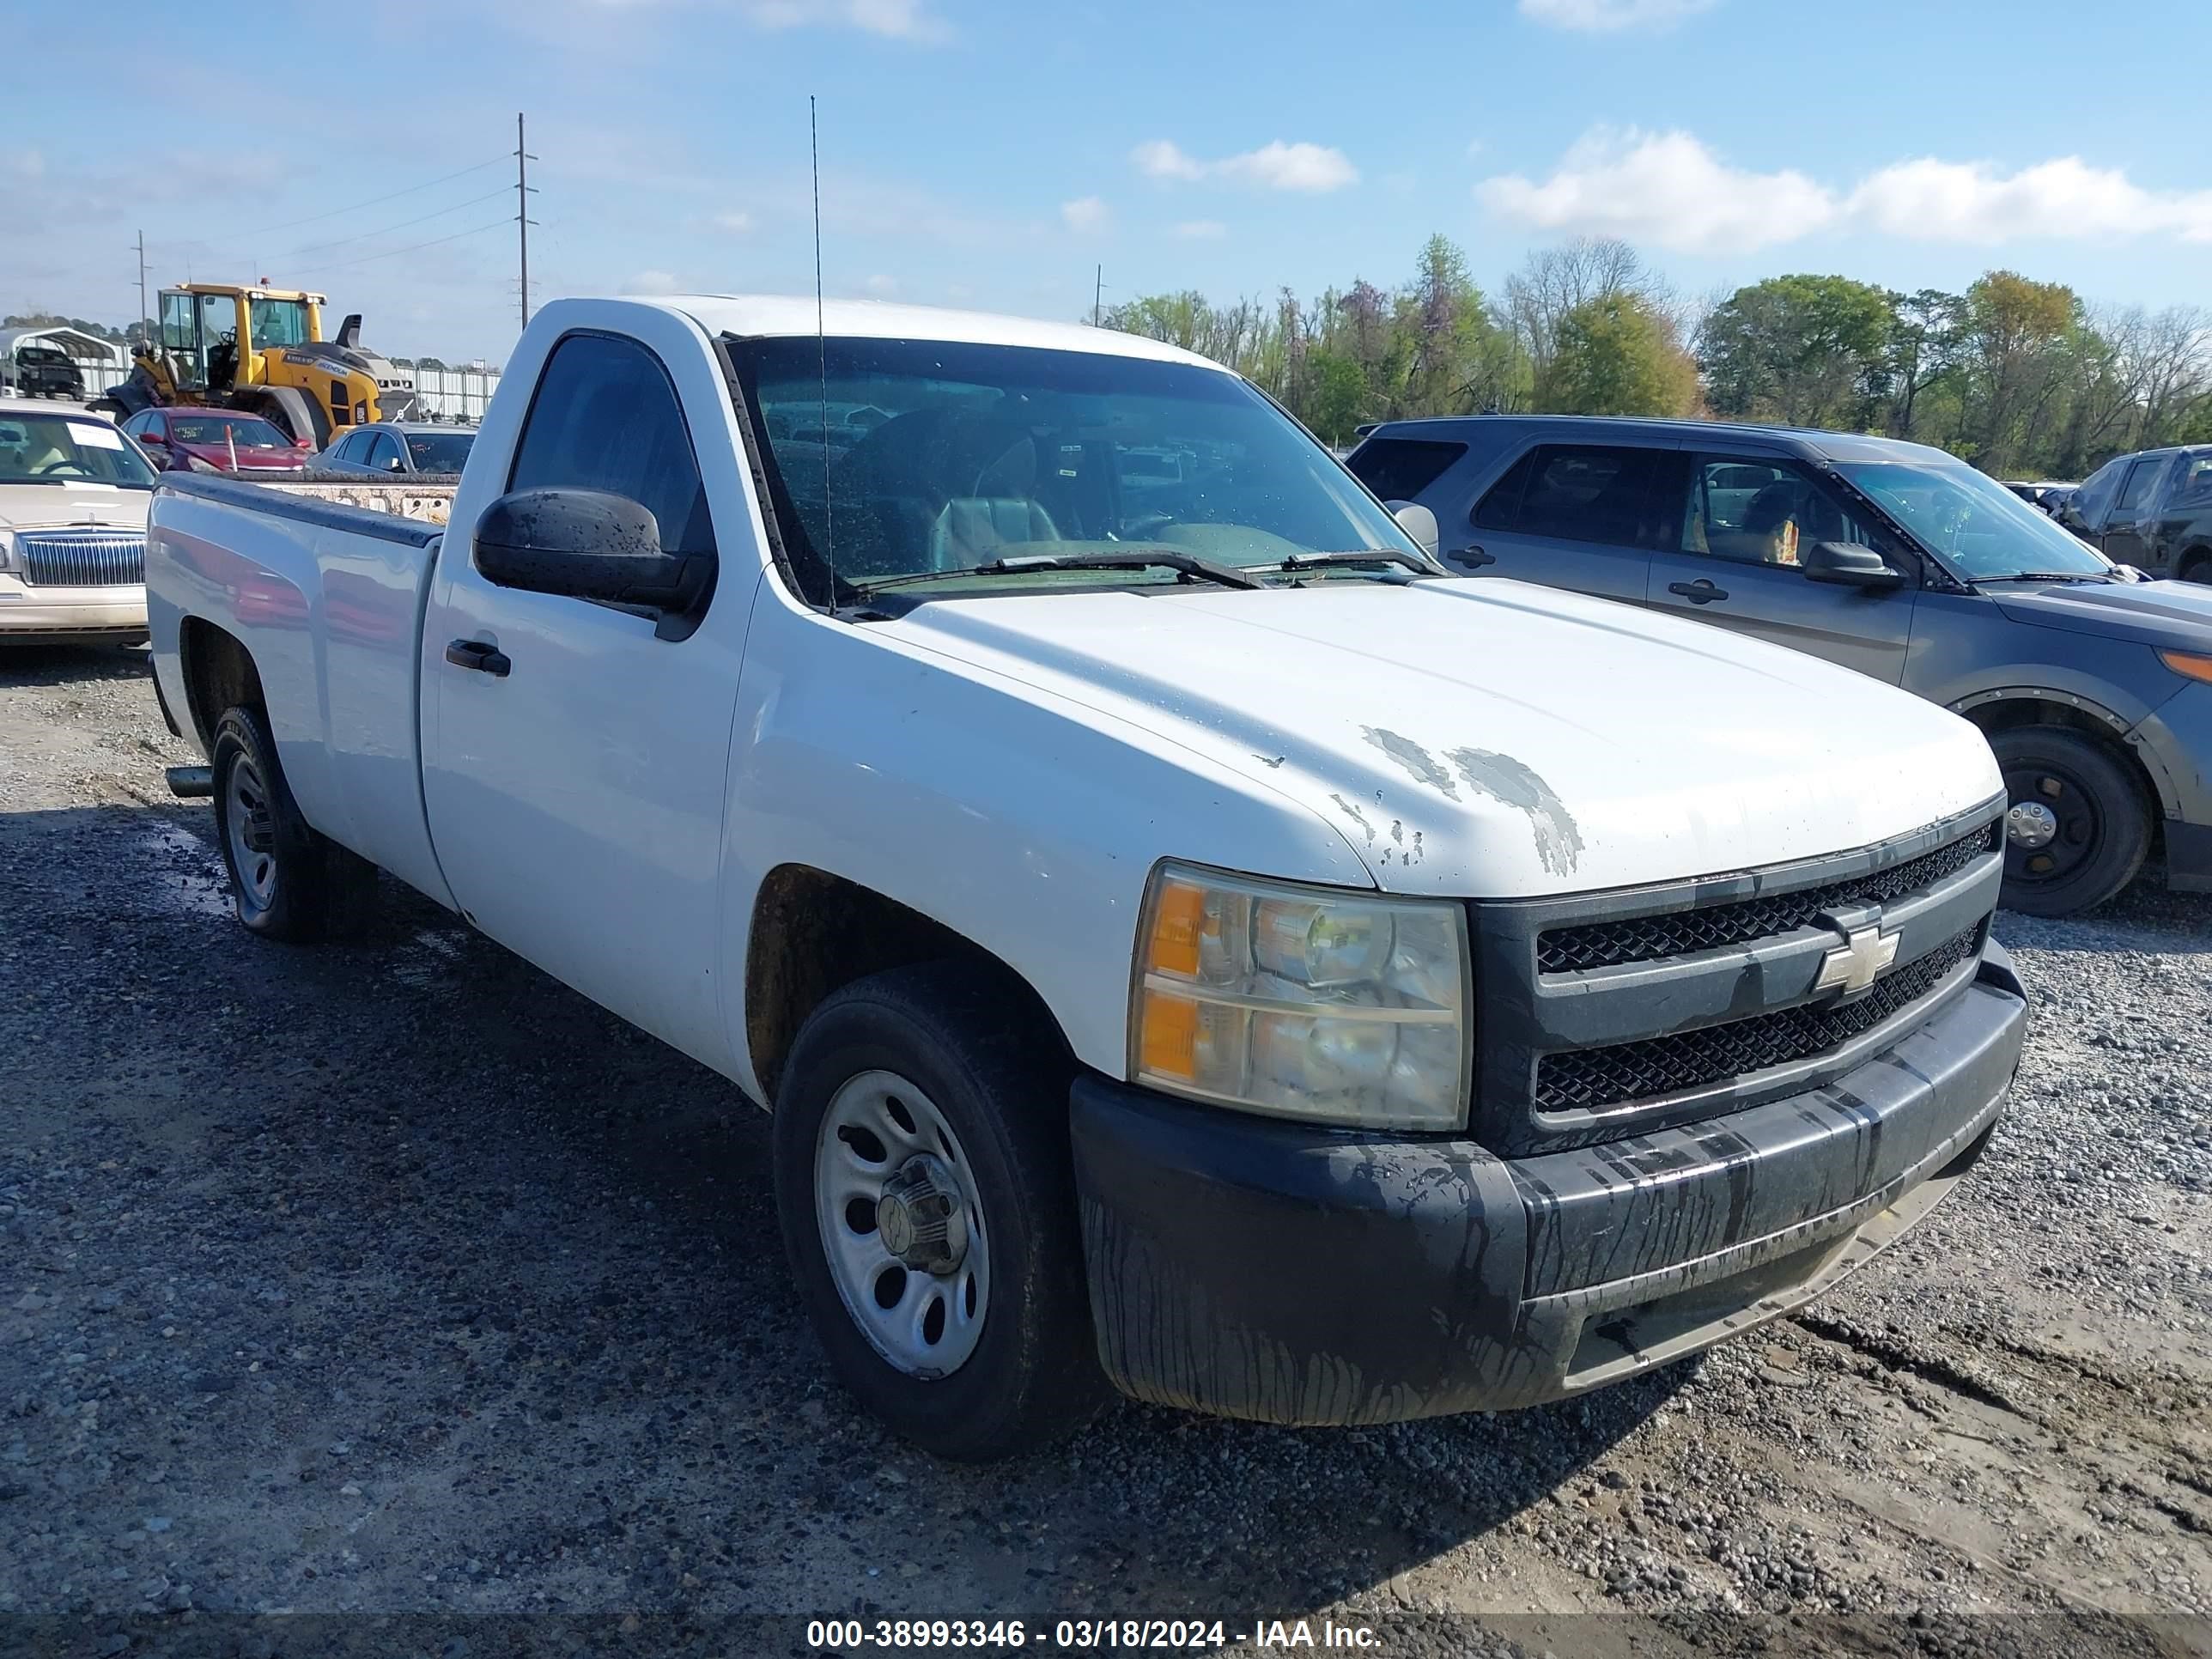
{"x": 329, "y": 600}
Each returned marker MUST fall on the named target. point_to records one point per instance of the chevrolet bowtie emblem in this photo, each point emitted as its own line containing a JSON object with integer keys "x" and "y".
{"x": 1856, "y": 964}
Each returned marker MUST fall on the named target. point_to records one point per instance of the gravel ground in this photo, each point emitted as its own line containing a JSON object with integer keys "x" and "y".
{"x": 396, "y": 1278}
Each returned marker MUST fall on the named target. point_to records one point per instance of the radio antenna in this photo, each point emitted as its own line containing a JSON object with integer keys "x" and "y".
{"x": 822, "y": 353}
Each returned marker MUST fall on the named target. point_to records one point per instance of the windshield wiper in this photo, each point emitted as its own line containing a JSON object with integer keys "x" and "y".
{"x": 2050, "y": 576}
{"x": 1157, "y": 558}
{"x": 1364, "y": 558}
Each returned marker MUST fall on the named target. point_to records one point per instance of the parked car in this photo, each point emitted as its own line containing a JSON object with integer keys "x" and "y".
{"x": 2151, "y": 510}
{"x": 399, "y": 448}
{"x": 2095, "y": 690}
{"x": 73, "y": 500}
{"x": 221, "y": 439}
{"x": 2044, "y": 495}
{"x": 1202, "y": 945}
{"x": 42, "y": 372}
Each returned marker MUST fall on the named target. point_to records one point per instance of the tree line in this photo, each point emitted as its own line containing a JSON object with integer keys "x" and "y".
{"x": 2017, "y": 376}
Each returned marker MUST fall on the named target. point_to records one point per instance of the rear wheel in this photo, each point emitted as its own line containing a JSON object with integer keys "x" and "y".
{"x": 2077, "y": 827}
{"x": 2196, "y": 568}
{"x": 927, "y": 1205}
{"x": 287, "y": 881}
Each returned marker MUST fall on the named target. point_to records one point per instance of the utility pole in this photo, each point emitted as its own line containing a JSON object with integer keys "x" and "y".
{"x": 523, "y": 192}
{"x": 1097, "y": 294}
{"x": 145, "y": 316}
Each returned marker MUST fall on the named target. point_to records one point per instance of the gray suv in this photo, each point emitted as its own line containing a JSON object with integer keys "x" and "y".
{"x": 2093, "y": 686}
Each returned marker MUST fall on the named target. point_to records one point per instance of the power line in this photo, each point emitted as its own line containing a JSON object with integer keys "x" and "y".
{"x": 391, "y": 253}
{"x": 317, "y": 218}
{"x": 340, "y": 241}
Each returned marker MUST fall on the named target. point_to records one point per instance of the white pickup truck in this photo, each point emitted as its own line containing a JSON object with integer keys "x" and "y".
{"x": 1186, "y": 940}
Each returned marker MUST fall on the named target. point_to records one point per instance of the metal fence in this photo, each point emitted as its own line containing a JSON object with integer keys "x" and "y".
{"x": 452, "y": 394}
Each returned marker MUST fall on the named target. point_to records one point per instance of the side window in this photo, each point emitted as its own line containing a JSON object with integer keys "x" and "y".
{"x": 135, "y": 426}
{"x": 605, "y": 417}
{"x": 2143, "y": 481}
{"x": 1579, "y": 493}
{"x": 1500, "y": 506}
{"x": 1399, "y": 469}
{"x": 2089, "y": 501}
{"x": 1760, "y": 512}
{"x": 2194, "y": 488}
{"x": 382, "y": 452}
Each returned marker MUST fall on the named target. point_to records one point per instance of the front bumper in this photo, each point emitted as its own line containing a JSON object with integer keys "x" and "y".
{"x": 1260, "y": 1270}
{"x": 37, "y": 612}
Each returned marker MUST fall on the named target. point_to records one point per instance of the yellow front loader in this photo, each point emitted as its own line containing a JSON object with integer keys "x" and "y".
{"x": 261, "y": 349}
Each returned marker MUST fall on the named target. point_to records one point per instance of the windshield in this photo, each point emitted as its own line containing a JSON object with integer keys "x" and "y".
{"x": 246, "y": 431}
{"x": 62, "y": 450}
{"x": 1978, "y": 526}
{"x": 939, "y": 457}
{"x": 440, "y": 452}
{"x": 278, "y": 322}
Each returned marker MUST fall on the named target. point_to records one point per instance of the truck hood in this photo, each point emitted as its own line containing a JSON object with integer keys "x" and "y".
{"x": 1490, "y": 739}
{"x": 48, "y": 506}
{"x": 2168, "y": 616}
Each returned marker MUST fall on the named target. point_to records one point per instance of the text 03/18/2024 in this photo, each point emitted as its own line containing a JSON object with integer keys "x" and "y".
{"x": 846, "y": 1635}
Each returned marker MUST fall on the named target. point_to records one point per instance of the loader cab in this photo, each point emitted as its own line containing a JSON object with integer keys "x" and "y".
{"x": 213, "y": 334}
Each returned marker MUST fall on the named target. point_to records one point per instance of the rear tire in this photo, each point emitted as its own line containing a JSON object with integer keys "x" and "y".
{"x": 948, "y": 1067}
{"x": 2077, "y": 827}
{"x": 287, "y": 881}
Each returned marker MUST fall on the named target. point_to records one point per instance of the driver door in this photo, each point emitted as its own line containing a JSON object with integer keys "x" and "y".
{"x": 1738, "y": 528}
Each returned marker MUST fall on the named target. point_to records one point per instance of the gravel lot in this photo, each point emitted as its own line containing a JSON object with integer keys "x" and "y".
{"x": 394, "y": 1277}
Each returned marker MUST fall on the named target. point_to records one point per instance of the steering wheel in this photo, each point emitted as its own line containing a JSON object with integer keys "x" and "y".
{"x": 77, "y": 467}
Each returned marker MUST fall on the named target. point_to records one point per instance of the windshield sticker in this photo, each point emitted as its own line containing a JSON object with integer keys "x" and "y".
{"x": 94, "y": 435}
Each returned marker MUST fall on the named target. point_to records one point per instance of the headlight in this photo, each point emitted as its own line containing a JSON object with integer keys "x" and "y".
{"x": 6, "y": 550}
{"x": 1301, "y": 1002}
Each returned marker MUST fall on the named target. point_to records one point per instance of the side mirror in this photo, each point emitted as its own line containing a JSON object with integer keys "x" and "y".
{"x": 1418, "y": 522}
{"x": 588, "y": 545}
{"x": 395, "y": 465}
{"x": 1849, "y": 564}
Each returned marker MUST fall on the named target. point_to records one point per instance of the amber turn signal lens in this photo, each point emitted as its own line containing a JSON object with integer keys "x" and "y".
{"x": 1168, "y": 1045}
{"x": 1178, "y": 918}
{"x": 2195, "y": 668}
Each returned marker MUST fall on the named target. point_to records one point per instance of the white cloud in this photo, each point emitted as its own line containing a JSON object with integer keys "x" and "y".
{"x": 1159, "y": 159}
{"x": 1088, "y": 214}
{"x": 900, "y": 20}
{"x": 651, "y": 282}
{"x": 1202, "y": 230}
{"x": 1276, "y": 165}
{"x": 1670, "y": 190}
{"x": 1930, "y": 200}
{"x": 1609, "y": 16}
{"x": 734, "y": 223}
{"x": 882, "y": 286}
{"x": 1665, "y": 188}
{"x": 1475, "y": 147}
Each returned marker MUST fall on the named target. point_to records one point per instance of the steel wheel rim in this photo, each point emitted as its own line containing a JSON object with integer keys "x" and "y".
{"x": 925, "y": 1324}
{"x": 249, "y": 832}
{"x": 2053, "y": 825}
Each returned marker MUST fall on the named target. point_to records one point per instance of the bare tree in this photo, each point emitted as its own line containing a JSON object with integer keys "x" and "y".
{"x": 1554, "y": 281}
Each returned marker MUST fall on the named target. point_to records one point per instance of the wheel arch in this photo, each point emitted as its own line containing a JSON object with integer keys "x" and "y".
{"x": 2195, "y": 557}
{"x": 814, "y": 932}
{"x": 289, "y": 408}
{"x": 218, "y": 671}
{"x": 2004, "y": 711}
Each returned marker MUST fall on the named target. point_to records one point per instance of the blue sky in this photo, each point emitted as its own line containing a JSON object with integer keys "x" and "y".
{"x": 983, "y": 154}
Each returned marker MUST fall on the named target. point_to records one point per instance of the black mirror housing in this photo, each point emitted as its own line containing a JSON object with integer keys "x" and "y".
{"x": 1850, "y": 564}
{"x": 589, "y": 544}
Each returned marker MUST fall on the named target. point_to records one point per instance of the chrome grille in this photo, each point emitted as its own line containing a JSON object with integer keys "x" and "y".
{"x": 1647, "y": 939}
{"x": 83, "y": 558}
{"x": 1589, "y": 1079}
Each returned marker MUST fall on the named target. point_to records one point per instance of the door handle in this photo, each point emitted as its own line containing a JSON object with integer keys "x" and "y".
{"x": 1700, "y": 592}
{"x": 481, "y": 655}
{"x": 1473, "y": 557}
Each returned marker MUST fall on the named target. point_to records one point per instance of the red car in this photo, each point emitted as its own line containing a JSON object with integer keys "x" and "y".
{"x": 214, "y": 436}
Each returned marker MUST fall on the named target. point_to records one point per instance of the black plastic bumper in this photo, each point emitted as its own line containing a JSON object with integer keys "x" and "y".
{"x": 1262, "y": 1270}
{"x": 2189, "y": 856}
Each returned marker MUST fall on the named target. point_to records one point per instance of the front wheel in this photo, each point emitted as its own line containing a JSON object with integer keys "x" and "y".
{"x": 927, "y": 1205}
{"x": 287, "y": 881}
{"x": 2077, "y": 827}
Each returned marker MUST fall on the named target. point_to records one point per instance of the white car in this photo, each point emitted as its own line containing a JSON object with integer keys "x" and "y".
{"x": 1187, "y": 939}
{"x": 72, "y": 497}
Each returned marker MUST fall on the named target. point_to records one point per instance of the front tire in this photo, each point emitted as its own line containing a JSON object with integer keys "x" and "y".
{"x": 2077, "y": 827}
{"x": 927, "y": 1204}
{"x": 287, "y": 881}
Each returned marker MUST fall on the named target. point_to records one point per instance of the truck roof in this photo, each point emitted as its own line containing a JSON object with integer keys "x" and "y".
{"x": 752, "y": 315}
{"x": 1594, "y": 428}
